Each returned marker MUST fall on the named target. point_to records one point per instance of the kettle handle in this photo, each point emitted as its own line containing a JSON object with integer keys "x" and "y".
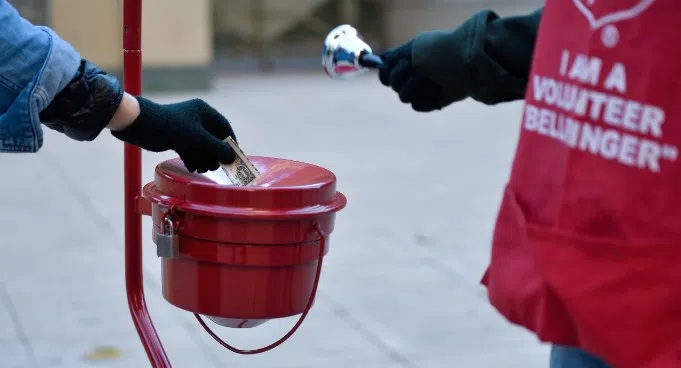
{"x": 295, "y": 327}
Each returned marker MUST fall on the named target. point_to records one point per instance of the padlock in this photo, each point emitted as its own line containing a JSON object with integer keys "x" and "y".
{"x": 167, "y": 242}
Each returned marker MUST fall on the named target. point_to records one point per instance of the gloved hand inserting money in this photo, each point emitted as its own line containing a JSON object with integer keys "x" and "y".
{"x": 193, "y": 129}
{"x": 486, "y": 58}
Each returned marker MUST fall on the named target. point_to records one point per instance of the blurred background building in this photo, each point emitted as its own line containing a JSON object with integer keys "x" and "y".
{"x": 186, "y": 41}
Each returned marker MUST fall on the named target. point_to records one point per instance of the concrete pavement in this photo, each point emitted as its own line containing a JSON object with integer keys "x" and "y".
{"x": 400, "y": 285}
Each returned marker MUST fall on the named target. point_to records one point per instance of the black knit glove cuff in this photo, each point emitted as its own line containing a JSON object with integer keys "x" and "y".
{"x": 149, "y": 130}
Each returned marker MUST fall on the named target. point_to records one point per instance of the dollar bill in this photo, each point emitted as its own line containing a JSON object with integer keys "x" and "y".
{"x": 241, "y": 172}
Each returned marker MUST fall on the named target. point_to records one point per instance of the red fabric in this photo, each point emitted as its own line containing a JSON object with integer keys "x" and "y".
{"x": 587, "y": 245}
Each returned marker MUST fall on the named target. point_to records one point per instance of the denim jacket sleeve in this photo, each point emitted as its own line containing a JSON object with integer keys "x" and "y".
{"x": 35, "y": 64}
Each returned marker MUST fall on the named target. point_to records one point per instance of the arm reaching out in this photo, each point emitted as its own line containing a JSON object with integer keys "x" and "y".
{"x": 487, "y": 58}
{"x": 44, "y": 80}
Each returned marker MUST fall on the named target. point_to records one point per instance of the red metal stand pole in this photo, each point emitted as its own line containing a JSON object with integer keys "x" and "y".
{"x": 132, "y": 163}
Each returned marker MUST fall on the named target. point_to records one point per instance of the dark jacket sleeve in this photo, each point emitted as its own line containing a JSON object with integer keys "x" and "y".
{"x": 86, "y": 106}
{"x": 488, "y": 55}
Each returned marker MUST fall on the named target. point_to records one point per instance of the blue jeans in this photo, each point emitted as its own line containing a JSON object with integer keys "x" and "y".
{"x": 567, "y": 357}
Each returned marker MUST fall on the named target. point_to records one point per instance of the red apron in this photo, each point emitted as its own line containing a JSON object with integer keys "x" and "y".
{"x": 587, "y": 245}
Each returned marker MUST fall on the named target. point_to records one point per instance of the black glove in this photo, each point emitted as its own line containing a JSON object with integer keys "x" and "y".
{"x": 486, "y": 58}
{"x": 191, "y": 128}
{"x": 398, "y": 73}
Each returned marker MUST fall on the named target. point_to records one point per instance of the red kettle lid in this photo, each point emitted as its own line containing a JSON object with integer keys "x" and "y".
{"x": 286, "y": 189}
